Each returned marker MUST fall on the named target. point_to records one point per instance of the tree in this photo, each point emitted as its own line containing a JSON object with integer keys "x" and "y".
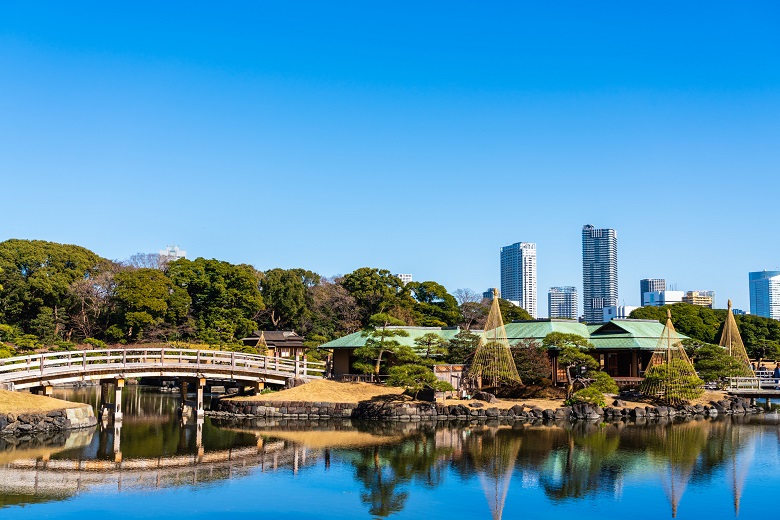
{"x": 473, "y": 315}
{"x": 381, "y": 340}
{"x": 466, "y": 296}
{"x": 37, "y": 274}
{"x": 461, "y": 348}
{"x": 431, "y": 346}
{"x": 414, "y": 378}
{"x": 334, "y": 312}
{"x": 435, "y": 306}
{"x": 285, "y": 297}
{"x": 712, "y": 362}
{"x": 532, "y": 361}
{"x": 142, "y": 298}
{"x": 226, "y": 299}
{"x": 91, "y": 303}
{"x": 146, "y": 261}
{"x": 376, "y": 291}
{"x": 511, "y": 312}
{"x": 573, "y": 356}
{"x": 678, "y": 382}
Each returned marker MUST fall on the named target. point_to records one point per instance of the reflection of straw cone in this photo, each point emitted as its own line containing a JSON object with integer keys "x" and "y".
{"x": 494, "y": 458}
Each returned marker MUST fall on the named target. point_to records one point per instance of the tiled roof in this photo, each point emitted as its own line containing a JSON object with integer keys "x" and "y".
{"x": 358, "y": 339}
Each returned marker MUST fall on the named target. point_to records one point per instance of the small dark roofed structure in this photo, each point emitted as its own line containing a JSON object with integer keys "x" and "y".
{"x": 279, "y": 343}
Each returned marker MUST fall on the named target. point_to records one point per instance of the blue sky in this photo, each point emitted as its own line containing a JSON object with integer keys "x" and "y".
{"x": 418, "y": 137}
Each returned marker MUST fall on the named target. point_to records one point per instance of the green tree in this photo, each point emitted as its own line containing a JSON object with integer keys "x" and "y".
{"x": 376, "y": 291}
{"x": 511, "y": 312}
{"x": 532, "y": 361}
{"x": 380, "y": 340}
{"x": 285, "y": 295}
{"x": 142, "y": 298}
{"x": 431, "y": 347}
{"x": 573, "y": 355}
{"x": 461, "y": 348}
{"x": 225, "y": 298}
{"x": 603, "y": 382}
{"x": 414, "y": 378}
{"x": 37, "y": 274}
{"x": 713, "y": 363}
{"x": 435, "y": 307}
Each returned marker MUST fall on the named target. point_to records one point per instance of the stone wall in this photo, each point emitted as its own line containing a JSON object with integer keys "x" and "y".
{"x": 476, "y": 410}
{"x": 54, "y": 421}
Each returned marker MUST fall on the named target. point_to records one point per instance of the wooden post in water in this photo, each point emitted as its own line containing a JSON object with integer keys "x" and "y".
{"x": 119, "y": 383}
{"x": 199, "y": 399}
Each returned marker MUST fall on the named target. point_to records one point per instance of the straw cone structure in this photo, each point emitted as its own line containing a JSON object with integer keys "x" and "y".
{"x": 732, "y": 341}
{"x": 493, "y": 363}
{"x": 670, "y": 374}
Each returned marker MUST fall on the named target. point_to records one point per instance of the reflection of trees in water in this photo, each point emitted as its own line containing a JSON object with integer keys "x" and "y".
{"x": 385, "y": 471}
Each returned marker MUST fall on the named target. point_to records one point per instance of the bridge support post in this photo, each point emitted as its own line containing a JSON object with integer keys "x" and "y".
{"x": 199, "y": 412}
{"x": 117, "y": 441}
{"x": 119, "y": 383}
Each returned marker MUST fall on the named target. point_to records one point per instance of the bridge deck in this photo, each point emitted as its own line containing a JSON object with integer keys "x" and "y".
{"x": 757, "y": 387}
{"x": 65, "y": 367}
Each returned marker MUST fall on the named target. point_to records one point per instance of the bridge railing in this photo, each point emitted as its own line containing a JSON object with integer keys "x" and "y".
{"x": 84, "y": 360}
{"x": 752, "y": 383}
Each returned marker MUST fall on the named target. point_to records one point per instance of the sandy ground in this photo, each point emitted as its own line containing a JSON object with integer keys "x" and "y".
{"x": 329, "y": 392}
{"x": 23, "y": 402}
{"x": 333, "y": 439}
{"x": 334, "y": 392}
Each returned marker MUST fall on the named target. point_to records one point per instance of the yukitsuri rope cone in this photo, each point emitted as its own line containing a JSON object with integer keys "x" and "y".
{"x": 732, "y": 341}
{"x": 493, "y": 364}
{"x": 670, "y": 375}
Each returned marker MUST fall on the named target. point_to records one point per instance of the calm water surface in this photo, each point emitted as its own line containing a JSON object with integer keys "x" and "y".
{"x": 155, "y": 466}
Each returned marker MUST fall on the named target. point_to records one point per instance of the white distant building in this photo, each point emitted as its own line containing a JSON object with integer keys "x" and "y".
{"x": 518, "y": 275}
{"x": 171, "y": 253}
{"x": 617, "y": 311}
{"x": 405, "y": 278}
{"x": 661, "y": 298}
{"x": 562, "y": 302}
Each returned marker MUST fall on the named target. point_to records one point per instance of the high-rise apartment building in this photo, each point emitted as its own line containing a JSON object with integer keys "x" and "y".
{"x": 650, "y": 285}
{"x": 702, "y": 298}
{"x": 405, "y": 278}
{"x": 765, "y": 294}
{"x": 599, "y": 271}
{"x": 171, "y": 254}
{"x": 518, "y": 275}
{"x": 562, "y": 302}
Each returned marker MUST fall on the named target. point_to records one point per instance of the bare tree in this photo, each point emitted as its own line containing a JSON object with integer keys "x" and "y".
{"x": 466, "y": 296}
{"x": 92, "y": 302}
{"x": 145, "y": 261}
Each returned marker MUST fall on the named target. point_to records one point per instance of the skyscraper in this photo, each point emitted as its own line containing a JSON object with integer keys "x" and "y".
{"x": 650, "y": 285}
{"x": 518, "y": 275}
{"x": 765, "y": 294}
{"x": 562, "y": 302}
{"x": 599, "y": 271}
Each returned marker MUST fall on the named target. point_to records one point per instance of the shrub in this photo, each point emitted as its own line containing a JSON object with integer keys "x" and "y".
{"x": 414, "y": 378}
{"x": 587, "y": 395}
{"x": 603, "y": 383}
{"x": 532, "y": 362}
{"x": 672, "y": 382}
{"x": 96, "y": 343}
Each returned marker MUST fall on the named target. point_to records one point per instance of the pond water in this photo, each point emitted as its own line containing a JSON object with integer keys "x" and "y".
{"x": 157, "y": 465}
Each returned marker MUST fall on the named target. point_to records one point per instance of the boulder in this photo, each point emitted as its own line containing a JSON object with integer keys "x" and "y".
{"x": 485, "y": 396}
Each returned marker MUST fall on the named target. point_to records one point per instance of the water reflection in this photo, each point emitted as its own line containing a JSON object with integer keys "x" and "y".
{"x": 510, "y": 468}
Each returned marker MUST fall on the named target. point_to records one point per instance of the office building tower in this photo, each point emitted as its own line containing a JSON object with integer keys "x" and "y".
{"x": 599, "y": 272}
{"x": 765, "y": 294}
{"x": 650, "y": 285}
{"x": 518, "y": 275}
{"x": 491, "y": 293}
{"x": 620, "y": 312}
{"x": 702, "y": 298}
{"x": 405, "y": 278}
{"x": 562, "y": 302}
{"x": 661, "y": 298}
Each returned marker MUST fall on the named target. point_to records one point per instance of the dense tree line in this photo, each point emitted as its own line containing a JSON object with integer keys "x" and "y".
{"x": 57, "y": 295}
{"x": 760, "y": 335}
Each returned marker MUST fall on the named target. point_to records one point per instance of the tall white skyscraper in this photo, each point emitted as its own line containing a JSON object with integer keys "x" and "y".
{"x": 765, "y": 294}
{"x": 562, "y": 302}
{"x": 599, "y": 272}
{"x": 518, "y": 275}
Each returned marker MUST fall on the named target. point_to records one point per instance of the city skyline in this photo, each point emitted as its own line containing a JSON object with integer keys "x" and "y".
{"x": 124, "y": 135}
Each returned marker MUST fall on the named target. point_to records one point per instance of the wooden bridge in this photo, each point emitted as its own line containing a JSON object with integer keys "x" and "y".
{"x": 43, "y": 371}
{"x": 754, "y": 387}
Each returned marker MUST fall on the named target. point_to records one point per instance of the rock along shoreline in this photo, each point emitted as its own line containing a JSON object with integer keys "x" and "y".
{"x": 417, "y": 411}
{"x": 47, "y": 422}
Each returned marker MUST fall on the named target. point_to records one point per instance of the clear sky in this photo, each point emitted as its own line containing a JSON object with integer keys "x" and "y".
{"x": 419, "y": 137}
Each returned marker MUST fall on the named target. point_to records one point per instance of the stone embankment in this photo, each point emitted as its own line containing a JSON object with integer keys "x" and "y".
{"x": 417, "y": 411}
{"x": 53, "y": 421}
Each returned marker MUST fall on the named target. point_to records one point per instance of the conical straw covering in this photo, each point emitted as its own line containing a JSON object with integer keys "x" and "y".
{"x": 670, "y": 375}
{"x": 493, "y": 362}
{"x": 732, "y": 341}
